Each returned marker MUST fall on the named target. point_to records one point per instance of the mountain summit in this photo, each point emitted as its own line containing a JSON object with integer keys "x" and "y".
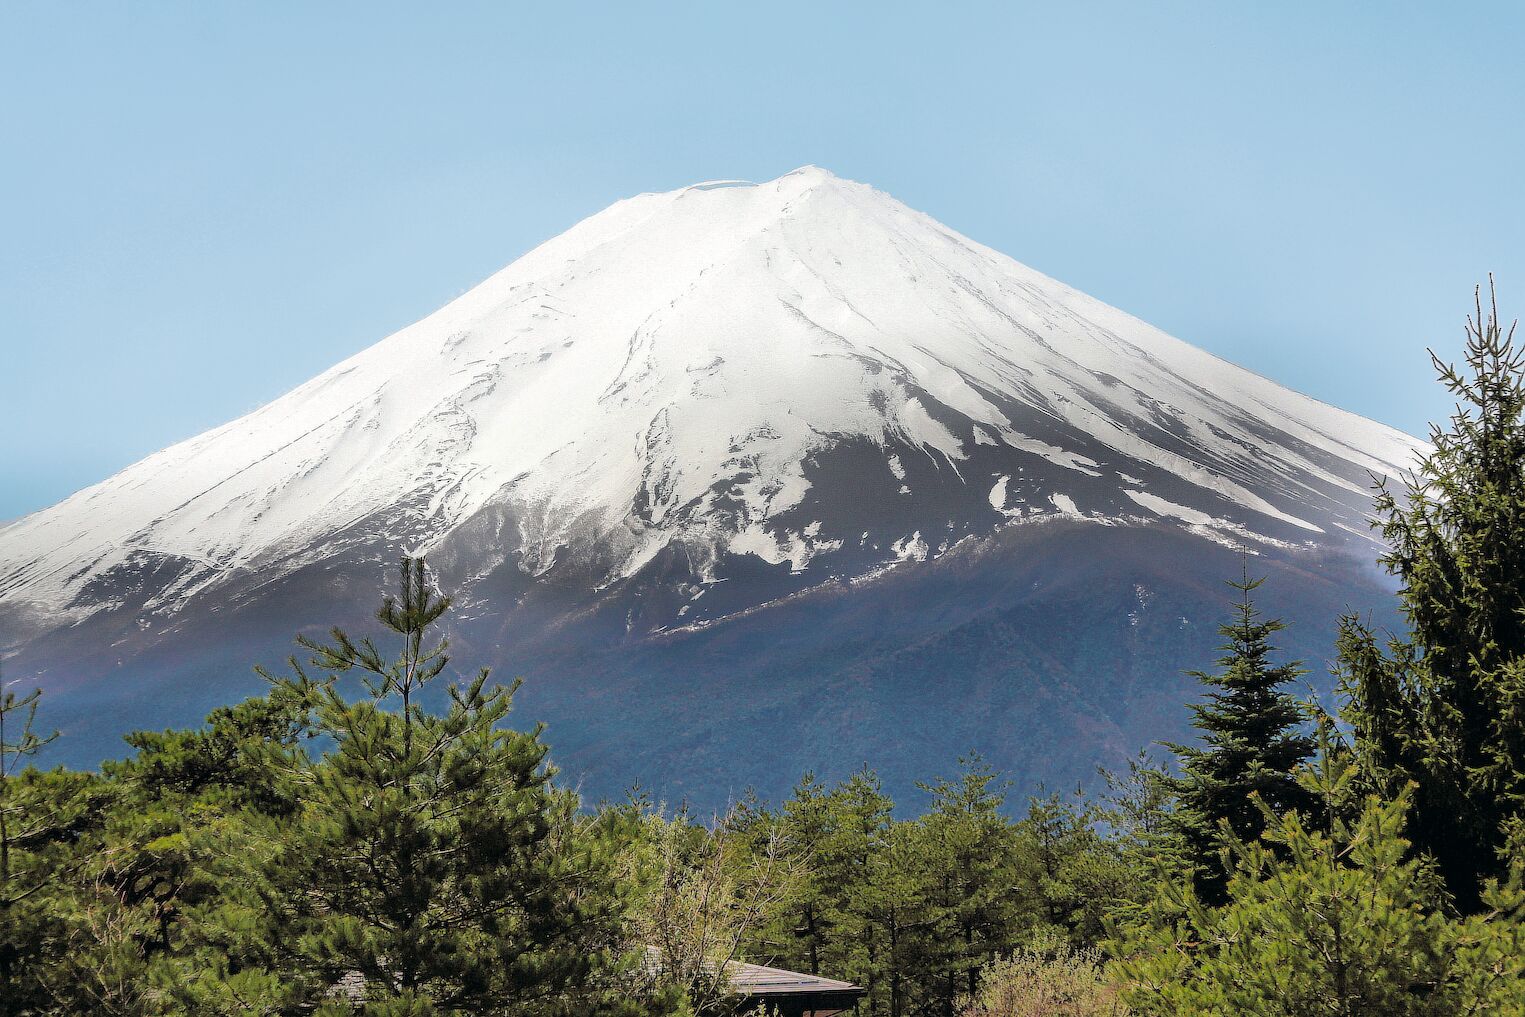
{"x": 689, "y": 409}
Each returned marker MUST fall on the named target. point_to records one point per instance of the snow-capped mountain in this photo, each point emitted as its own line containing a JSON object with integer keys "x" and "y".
{"x": 693, "y": 405}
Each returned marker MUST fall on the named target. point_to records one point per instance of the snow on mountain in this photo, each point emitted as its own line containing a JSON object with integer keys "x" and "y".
{"x": 679, "y": 369}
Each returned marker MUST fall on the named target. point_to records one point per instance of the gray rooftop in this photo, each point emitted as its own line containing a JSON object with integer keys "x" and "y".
{"x": 757, "y": 980}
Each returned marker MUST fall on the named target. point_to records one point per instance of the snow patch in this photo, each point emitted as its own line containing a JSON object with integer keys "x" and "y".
{"x": 1053, "y": 453}
{"x": 1065, "y": 504}
{"x": 998, "y": 494}
{"x": 1161, "y": 507}
{"x": 911, "y": 548}
{"x": 922, "y": 430}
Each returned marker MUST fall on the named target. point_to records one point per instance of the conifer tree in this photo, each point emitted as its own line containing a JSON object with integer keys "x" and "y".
{"x": 833, "y": 923}
{"x": 1329, "y": 912}
{"x": 861, "y": 820}
{"x": 902, "y": 910}
{"x": 970, "y": 870}
{"x": 1443, "y": 706}
{"x": 41, "y": 813}
{"x": 1137, "y": 811}
{"x": 1068, "y": 875}
{"x": 165, "y": 892}
{"x": 1251, "y": 742}
{"x": 431, "y": 867}
{"x": 806, "y": 822}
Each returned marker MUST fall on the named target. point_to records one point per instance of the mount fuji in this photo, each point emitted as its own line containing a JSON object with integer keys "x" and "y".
{"x": 745, "y": 479}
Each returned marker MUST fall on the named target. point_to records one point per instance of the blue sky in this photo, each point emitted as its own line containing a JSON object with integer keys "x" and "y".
{"x": 206, "y": 204}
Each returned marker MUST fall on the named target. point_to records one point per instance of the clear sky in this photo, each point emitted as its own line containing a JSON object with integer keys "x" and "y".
{"x": 204, "y": 204}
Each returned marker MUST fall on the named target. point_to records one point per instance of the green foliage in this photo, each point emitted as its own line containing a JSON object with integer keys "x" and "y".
{"x": 1070, "y": 873}
{"x": 840, "y": 835}
{"x": 1138, "y": 815}
{"x": 424, "y": 863}
{"x": 1049, "y": 979}
{"x": 914, "y": 909}
{"x": 706, "y": 891}
{"x": 42, "y": 816}
{"x": 421, "y": 863}
{"x": 1251, "y": 744}
{"x": 1342, "y": 920}
{"x": 1443, "y": 706}
{"x": 969, "y": 861}
{"x": 430, "y": 867}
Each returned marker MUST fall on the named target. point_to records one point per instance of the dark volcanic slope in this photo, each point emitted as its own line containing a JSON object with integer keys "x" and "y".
{"x": 1051, "y": 649}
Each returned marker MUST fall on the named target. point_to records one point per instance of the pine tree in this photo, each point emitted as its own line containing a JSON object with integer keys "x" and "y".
{"x": 1336, "y": 917}
{"x": 833, "y": 923}
{"x": 903, "y": 912}
{"x": 41, "y": 814}
{"x": 861, "y": 820}
{"x": 163, "y": 893}
{"x": 1251, "y": 742}
{"x": 1068, "y": 875}
{"x": 806, "y": 824}
{"x": 969, "y": 867}
{"x": 1443, "y": 706}
{"x": 430, "y": 866}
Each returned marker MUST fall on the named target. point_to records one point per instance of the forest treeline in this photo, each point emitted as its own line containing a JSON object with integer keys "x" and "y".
{"x": 357, "y": 842}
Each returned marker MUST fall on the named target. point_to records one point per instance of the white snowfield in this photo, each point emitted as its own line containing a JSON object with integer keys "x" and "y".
{"x": 678, "y": 344}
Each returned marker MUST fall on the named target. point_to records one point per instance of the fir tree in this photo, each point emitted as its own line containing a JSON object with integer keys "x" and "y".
{"x": 1252, "y": 742}
{"x": 1443, "y": 706}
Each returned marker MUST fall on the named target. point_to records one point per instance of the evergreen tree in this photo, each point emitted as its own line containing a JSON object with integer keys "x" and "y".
{"x": 1137, "y": 812}
{"x": 430, "y": 867}
{"x": 912, "y": 910}
{"x": 806, "y": 823}
{"x": 164, "y": 894}
{"x": 227, "y": 759}
{"x": 860, "y": 825}
{"x": 902, "y": 910}
{"x": 833, "y": 923}
{"x": 970, "y": 870}
{"x": 1444, "y": 705}
{"x": 41, "y": 815}
{"x": 1337, "y": 917}
{"x": 1069, "y": 876}
{"x": 1251, "y": 742}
